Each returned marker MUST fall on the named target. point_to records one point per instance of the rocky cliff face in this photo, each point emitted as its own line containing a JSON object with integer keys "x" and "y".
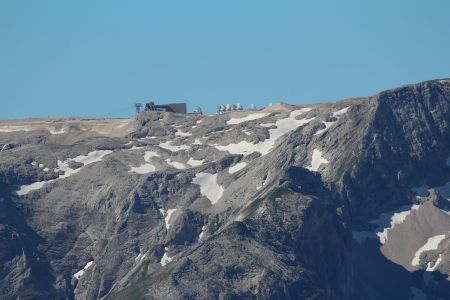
{"x": 346, "y": 200}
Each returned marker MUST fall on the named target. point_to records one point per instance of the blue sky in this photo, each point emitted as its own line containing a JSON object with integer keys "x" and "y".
{"x": 97, "y": 58}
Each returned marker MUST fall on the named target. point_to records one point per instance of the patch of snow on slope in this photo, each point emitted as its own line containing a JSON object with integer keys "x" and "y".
{"x": 264, "y": 183}
{"x": 392, "y": 219}
{"x": 202, "y": 234}
{"x": 175, "y": 164}
{"x": 143, "y": 169}
{"x": 80, "y": 273}
{"x": 181, "y": 133}
{"x": 148, "y": 166}
{"x": 328, "y": 124}
{"x": 13, "y": 128}
{"x": 431, "y": 244}
{"x": 385, "y": 222}
{"x": 208, "y": 186}
{"x": 436, "y": 264}
{"x": 166, "y": 258}
{"x": 25, "y": 189}
{"x": 237, "y": 167}
{"x": 267, "y": 124}
{"x": 316, "y": 160}
{"x": 249, "y": 117}
{"x": 4, "y": 147}
{"x": 168, "y": 216}
{"x": 340, "y": 112}
{"x": 195, "y": 162}
{"x": 170, "y": 147}
{"x": 284, "y": 126}
{"x": 92, "y": 157}
{"x": 53, "y": 130}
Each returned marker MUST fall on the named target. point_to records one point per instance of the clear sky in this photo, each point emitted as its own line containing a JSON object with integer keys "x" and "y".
{"x": 97, "y": 58}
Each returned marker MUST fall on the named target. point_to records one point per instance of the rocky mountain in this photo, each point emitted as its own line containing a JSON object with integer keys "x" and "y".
{"x": 345, "y": 200}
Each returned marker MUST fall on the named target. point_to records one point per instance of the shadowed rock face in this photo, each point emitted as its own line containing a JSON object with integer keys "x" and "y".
{"x": 346, "y": 200}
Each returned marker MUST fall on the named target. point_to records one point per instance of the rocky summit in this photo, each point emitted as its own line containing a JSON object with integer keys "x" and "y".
{"x": 345, "y": 200}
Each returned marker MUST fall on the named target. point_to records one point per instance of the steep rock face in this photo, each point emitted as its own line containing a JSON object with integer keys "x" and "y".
{"x": 319, "y": 202}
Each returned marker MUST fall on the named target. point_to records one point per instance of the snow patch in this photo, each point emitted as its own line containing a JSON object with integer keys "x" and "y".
{"x": 284, "y": 126}
{"x": 13, "y": 128}
{"x": 88, "y": 159}
{"x": 170, "y": 147}
{"x": 237, "y": 167}
{"x": 249, "y": 117}
{"x": 148, "y": 167}
{"x": 431, "y": 244}
{"x": 80, "y": 273}
{"x": 385, "y": 222}
{"x": 208, "y": 186}
{"x": 328, "y": 124}
{"x": 435, "y": 265}
{"x": 175, "y": 164}
{"x": 267, "y": 124}
{"x": 53, "y": 130}
{"x": 168, "y": 216}
{"x": 195, "y": 162}
{"x": 181, "y": 133}
{"x": 316, "y": 160}
{"x": 202, "y": 234}
{"x": 166, "y": 258}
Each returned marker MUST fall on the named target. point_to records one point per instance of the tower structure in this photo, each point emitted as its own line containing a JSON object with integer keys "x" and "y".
{"x": 138, "y": 107}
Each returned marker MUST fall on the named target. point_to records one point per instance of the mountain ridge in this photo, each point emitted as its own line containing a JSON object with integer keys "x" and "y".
{"x": 292, "y": 202}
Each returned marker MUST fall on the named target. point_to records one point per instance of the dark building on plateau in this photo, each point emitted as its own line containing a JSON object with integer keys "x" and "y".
{"x": 179, "y": 108}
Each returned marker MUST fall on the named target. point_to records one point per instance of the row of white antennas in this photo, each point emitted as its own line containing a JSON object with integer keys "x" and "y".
{"x": 221, "y": 109}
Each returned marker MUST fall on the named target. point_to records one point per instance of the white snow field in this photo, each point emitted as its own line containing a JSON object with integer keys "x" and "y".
{"x": 284, "y": 126}
{"x": 328, "y": 124}
{"x": 166, "y": 258}
{"x": 148, "y": 166}
{"x": 431, "y": 244}
{"x": 14, "y": 128}
{"x": 431, "y": 268}
{"x": 80, "y": 273}
{"x": 91, "y": 157}
{"x": 181, "y": 133}
{"x": 202, "y": 234}
{"x": 175, "y": 164}
{"x": 170, "y": 147}
{"x": 249, "y": 117}
{"x": 208, "y": 186}
{"x": 53, "y": 130}
{"x": 237, "y": 167}
{"x": 195, "y": 162}
{"x": 316, "y": 160}
{"x": 341, "y": 112}
{"x": 168, "y": 216}
{"x": 385, "y": 222}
